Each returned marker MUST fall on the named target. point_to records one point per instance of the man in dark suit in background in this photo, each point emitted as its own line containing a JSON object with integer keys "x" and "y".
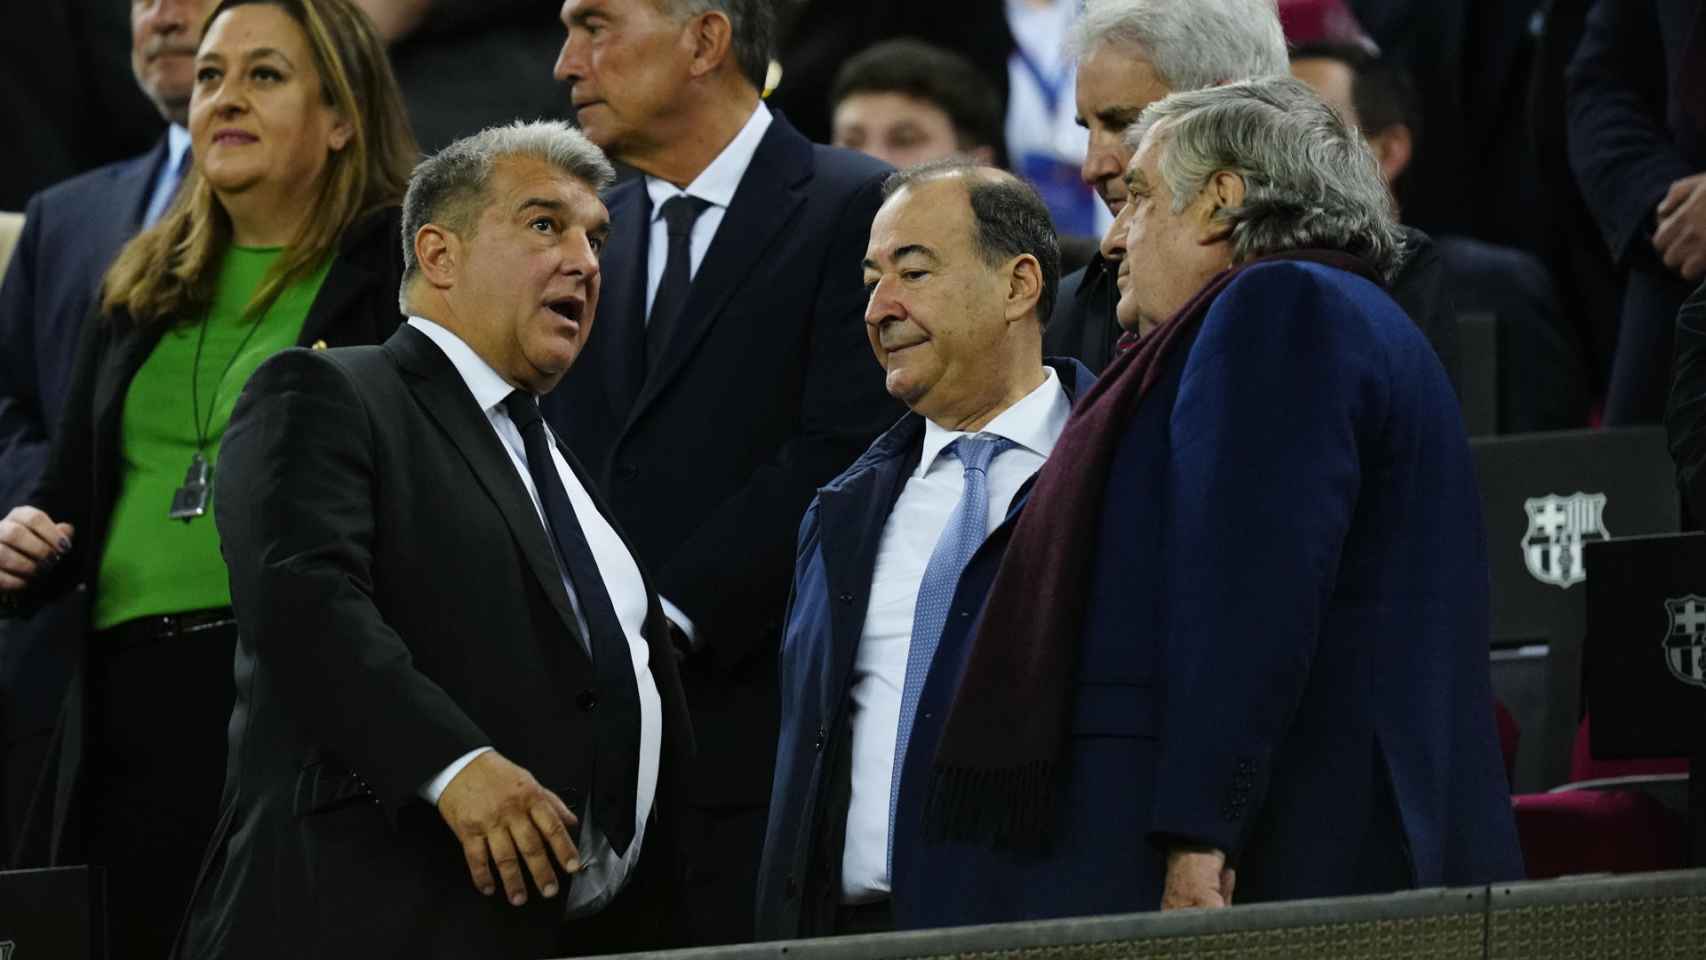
{"x": 728, "y": 377}
{"x": 451, "y": 665}
{"x": 1130, "y": 54}
{"x": 71, "y": 233}
{"x": 1542, "y": 379}
{"x": 1637, "y": 94}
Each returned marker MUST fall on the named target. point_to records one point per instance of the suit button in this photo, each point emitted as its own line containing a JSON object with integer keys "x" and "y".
{"x": 586, "y": 700}
{"x": 822, "y": 737}
{"x": 790, "y": 887}
{"x": 845, "y": 598}
{"x": 627, "y": 471}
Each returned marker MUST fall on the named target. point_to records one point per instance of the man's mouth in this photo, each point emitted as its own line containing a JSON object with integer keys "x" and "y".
{"x": 569, "y": 308}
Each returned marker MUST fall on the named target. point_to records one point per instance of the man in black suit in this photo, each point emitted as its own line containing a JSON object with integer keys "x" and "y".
{"x": 450, "y": 664}
{"x": 728, "y": 377}
{"x": 72, "y": 231}
{"x": 1637, "y": 96}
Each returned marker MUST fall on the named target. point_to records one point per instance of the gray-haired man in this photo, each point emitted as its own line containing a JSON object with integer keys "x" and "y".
{"x": 440, "y": 625}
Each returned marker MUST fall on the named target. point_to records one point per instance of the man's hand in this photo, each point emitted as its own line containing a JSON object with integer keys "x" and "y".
{"x": 1197, "y": 877}
{"x": 395, "y": 19}
{"x": 504, "y": 818}
{"x": 1681, "y": 237}
{"x": 30, "y": 544}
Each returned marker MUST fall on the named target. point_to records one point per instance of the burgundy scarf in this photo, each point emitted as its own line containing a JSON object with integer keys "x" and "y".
{"x": 995, "y": 773}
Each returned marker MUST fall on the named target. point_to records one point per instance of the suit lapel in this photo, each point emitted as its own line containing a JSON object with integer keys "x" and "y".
{"x": 764, "y": 203}
{"x": 441, "y": 391}
{"x": 133, "y": 185}
{"x": 622, "y": 303}
{"x": 851, "y": 518}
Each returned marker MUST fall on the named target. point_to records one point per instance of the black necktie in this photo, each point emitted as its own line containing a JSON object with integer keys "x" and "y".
{"x": 615, "y": 704}
{"x": 679, "y": 214}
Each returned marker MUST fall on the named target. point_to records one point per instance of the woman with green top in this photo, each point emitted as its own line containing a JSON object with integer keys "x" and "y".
{"x": 284, "y": 234}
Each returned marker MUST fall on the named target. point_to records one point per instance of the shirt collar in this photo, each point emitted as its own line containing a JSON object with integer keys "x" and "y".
{"x": 716, "y": 184}
{"x": 487, "y": 385}
{"x": 1035, "y": 423}
{"x": 177, "y": 144}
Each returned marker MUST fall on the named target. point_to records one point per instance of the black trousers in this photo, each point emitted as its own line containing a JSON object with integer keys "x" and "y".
{"x": 153, "y": 769}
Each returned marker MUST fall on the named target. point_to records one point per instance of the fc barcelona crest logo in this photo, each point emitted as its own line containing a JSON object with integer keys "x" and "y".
{"x": 1685, "y": 643}
{"x": 1557, "y": 528}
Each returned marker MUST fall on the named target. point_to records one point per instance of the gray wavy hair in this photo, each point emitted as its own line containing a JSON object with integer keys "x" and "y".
{"x": 1310, "y": 180}
{"x": 1191, "y": 43}
{"x": 449, "y": 187}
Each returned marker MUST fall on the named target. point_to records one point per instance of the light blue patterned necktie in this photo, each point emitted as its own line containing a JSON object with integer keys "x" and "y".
{"x": 959, "y": 540}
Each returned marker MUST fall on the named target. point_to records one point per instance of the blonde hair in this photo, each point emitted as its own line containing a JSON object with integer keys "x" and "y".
{"x": 168, "y": 270}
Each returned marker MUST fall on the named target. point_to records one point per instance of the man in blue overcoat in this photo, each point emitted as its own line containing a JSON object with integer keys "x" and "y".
{"x": 1238, "y": 639}
{"x": 962, "y": 267}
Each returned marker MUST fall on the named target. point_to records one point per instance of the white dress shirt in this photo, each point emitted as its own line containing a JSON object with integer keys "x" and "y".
{"x": 166, "y": 179}
{"x": 716, "y": 184}
{"x": 879, "y": 668}
{"x": 605, "y": 873}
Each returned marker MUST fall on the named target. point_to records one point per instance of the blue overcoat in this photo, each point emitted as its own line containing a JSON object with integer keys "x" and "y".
{"x": 1285, "y": 649}
{"x": 836, "y": 558}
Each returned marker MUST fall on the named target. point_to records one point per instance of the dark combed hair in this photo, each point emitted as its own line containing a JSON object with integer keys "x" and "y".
{"x": 752, "y": 25}
{"x": 1009, "y": 219}
{"x": 1381, "y": 91}
{"x": 931, "y": 74}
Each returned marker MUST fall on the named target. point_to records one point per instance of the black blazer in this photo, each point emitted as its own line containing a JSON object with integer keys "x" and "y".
{"x": 356, "y": 304}
{"x": 768, "y": 390}
{"x": 399, "y": 605}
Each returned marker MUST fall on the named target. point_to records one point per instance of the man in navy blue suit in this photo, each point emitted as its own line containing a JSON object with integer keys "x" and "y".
{"x": 1238, "y": 638}
{"x": 963, "y": 267}
{"x": 71, "y": 233}
{"x": 728, "y": 376}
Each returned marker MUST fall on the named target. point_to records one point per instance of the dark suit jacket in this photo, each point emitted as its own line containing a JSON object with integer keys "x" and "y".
{"x": 1686, "y": 418}
{"x": 1284, "y": 653}
{"x": 48, "y": 291}
{"x": 799, "y": 880}
{"x": 356, "y": 304}
{"x": 399, "y": 605}
{"x": 1085, "y": 327}
{"x": 768, "y": 390}
{"x": 72, "y": 232}
{"x": 1629, "y": 141}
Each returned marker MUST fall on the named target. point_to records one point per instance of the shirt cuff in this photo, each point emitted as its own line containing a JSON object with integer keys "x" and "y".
{"x": 434, "y": 788}
{"x": 682, "y": 621}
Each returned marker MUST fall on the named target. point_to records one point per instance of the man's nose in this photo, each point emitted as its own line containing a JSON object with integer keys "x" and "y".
{"x": 1100, "y": 163}
{"x": 1114, "y": 241}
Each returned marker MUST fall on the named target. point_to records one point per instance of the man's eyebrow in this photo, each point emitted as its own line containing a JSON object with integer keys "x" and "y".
{"x": 1119, "y": 115}
{"x": 555, "y": 206}
{"x": 917, "y": 250}
{"x": 910, "y": 250}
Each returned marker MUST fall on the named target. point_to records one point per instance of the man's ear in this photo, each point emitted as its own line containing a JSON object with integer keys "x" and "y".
{"x": 1393, "y": 148}
{"x": 439, "y": 253}
{"x": 1224, "y": 191}
{"x": 712, "y": 37}
{"x": 1024, "y": 286}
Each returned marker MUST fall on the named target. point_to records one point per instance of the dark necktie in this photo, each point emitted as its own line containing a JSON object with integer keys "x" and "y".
{"x": 679, "y": 215}
{"x": 615, "y": 704}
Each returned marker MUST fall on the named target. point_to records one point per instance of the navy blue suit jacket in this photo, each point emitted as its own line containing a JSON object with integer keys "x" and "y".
{"x": 800, "y": 873}
{"x": 1284, "y": 653}
{"x": 72, "y": 231}
{"x": 767, "y": 390}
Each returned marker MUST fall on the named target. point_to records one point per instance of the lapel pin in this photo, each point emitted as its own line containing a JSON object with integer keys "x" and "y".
{"x": 318, "y": 345}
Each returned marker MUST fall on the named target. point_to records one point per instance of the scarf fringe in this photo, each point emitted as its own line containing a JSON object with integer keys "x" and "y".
{"x": 1010, "y": 808}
